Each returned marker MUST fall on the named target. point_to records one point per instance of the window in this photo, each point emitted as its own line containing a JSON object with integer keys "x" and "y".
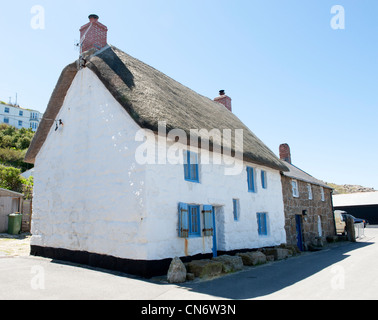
{"x": 19, "y": 123}
{"x": 262, "y": 222}
{"x": 322, "y": 193}
{"x": 294, "y": 185}
{"x": 6, "y": 120}
{"x": 189, "y": 220}
{"x": 235, "y": 204}
{"x": 194, "y": 221}
{"x": 191, "y": 166}
{"x": 251, "y": 179}
{"x": 21, "y": 113}
{"x": 309, "y": 191}
{"x": 6, "y": 110}
{"x": 264, "y": 180}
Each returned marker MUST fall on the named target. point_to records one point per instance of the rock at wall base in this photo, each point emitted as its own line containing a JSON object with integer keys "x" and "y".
{"x": 230, "y": 263}
{"x": 252, "y": 258}
{"x": 205, "y": 268}
{"x": 176, "y": 272}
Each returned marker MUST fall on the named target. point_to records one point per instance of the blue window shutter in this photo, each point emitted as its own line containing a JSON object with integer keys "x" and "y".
{"x": 208, "y": 230}
{"x": 183, "y": 220}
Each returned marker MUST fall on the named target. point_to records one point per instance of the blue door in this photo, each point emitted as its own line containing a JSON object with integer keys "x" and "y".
{"x": 298, "y": 221}
{"x": 215, "y": 248}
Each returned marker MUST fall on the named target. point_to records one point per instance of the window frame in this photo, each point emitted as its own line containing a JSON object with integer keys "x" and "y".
{"x": 251, "y": 179}
{"x": 322, "y": 194}
{"x": 309, "y": 189}
{"x": 197, "y": 233}
{"x": 264, "y": 181}
{"x": 236, "y": 209}
{"x": 262, "y": 223}
{"x": 191, "y": 171}
{"x": 295, "y": 190}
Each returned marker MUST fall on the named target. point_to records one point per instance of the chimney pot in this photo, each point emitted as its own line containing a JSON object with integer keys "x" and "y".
{"x": 93, "y": 17}
{"x": 224, "y": 99}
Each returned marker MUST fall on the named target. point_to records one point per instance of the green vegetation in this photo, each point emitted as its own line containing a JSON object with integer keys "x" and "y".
{"x": 13, "y": 146}
{"x": 11, "y": 179}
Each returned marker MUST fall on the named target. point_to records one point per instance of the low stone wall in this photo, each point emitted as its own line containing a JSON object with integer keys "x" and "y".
{"x": 224, "y": 264}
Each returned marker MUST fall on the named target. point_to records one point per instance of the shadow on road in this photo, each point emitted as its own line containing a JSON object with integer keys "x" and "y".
{"x": 270, "y": 278}
{"x": 259, "y": 281}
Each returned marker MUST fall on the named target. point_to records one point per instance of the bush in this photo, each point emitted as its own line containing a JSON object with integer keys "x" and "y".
{"x": 10, "y": 178}
{"x": 13, "y": 146}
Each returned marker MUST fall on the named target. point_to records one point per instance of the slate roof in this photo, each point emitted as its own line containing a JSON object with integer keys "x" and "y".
{"x": 298, "y": 174}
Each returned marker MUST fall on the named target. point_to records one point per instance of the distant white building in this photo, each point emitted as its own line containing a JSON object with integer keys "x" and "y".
{"x": 19, "y": 117}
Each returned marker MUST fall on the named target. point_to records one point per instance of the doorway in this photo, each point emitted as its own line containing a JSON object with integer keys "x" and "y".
{"x": 215, "y": 244}
{"x": 298, "y": 223}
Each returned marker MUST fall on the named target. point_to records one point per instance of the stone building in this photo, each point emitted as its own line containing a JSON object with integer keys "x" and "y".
{"x": 308, "y": 206}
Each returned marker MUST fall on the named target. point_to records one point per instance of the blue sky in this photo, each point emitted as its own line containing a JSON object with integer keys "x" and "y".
{"x": 293, "y": 79}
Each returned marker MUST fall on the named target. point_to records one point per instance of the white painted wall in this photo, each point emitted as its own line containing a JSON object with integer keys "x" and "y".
{"x": 90, "y": 193}
{"x": 168, "y": 188}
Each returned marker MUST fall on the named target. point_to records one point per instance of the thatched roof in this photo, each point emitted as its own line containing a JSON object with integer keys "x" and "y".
{"x": 149, "y": 96}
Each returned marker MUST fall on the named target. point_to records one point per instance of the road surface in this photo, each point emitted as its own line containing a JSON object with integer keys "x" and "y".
{"x": 346, "y": 271}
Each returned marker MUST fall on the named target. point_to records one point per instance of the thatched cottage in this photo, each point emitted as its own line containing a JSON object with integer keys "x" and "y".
{"x": 308, "y": 206}
{"x": 119, "y": 184}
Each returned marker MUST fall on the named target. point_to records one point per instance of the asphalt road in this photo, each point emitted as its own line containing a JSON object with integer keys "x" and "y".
{"x": 343, "y": 272}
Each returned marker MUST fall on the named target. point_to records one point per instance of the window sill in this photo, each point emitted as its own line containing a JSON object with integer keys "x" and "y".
{"x": 194, "y": 181}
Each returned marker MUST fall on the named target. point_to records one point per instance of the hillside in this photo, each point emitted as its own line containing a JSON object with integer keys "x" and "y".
{"x": 349, "y": 188}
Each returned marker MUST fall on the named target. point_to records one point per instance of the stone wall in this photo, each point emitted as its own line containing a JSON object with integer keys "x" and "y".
{"x": 315, "y": 208}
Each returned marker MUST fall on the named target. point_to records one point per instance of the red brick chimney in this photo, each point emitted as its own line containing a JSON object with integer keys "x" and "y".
{"x": 224, "y": 99}
{"x": 93, "y": 35}
{"x": 285, "y": 153}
